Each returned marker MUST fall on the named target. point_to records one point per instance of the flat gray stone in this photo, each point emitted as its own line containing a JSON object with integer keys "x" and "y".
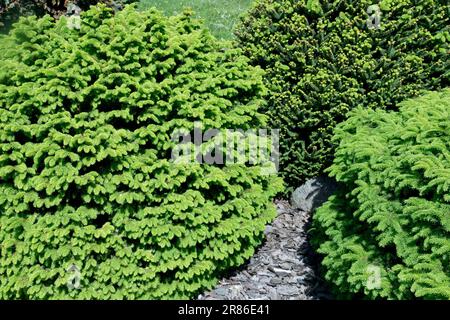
{"x": 288, "y": 290}
{"x": 275, "y": 281}
{"x": 313, "y": 193}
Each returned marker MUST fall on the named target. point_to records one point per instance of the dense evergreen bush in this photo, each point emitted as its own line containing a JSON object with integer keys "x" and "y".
{"x": 322, "y": 60}
{"x": 86, "y": 181}
{"x": 392, "y": 217}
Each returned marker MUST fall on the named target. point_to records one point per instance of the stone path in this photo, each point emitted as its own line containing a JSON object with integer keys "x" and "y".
{"x": 284, "y": 267}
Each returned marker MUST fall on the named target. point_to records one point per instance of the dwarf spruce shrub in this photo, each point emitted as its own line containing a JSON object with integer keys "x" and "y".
{"x": 322, "y": 60}
{"x": 91, "y": 205}
{"x": 386, "y": 234}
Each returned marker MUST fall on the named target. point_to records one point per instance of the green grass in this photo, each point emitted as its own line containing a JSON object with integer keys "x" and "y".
{"x": 220, "y": 16}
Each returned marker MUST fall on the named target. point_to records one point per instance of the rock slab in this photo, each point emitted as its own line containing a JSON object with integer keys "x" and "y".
{"x": 313, "y": 193}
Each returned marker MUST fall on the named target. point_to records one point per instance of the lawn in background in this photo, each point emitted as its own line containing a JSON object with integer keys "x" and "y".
{"x": 220, "y": 16}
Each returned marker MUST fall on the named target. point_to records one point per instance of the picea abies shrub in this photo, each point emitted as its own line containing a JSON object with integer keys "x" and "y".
{"x": 322, "y": 60}
{"x": 386, "y": 234}
{"x": 91, "y": 205}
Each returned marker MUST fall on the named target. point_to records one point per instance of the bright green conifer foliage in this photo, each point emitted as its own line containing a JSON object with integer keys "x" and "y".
{"x": 86, "y": 180}
{"x": 392, "y": 218}
{"x": 324, "y": 58}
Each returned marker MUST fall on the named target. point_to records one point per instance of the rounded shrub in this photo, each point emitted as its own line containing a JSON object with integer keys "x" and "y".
{"x": 324, "y": 58}
{"x": 91, "y": 204}
{"x": 386, "y": 233}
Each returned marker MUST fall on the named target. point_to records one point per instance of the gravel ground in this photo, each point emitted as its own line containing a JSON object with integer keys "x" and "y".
{"x": 283, "y": 268}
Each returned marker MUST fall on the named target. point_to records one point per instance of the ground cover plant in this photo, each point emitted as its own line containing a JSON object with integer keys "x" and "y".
{"x": 220, "y": 15}
{"x": 386, "y": 233}
{"x": 91, "y": 205}
{"x": 324, "y": 58}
